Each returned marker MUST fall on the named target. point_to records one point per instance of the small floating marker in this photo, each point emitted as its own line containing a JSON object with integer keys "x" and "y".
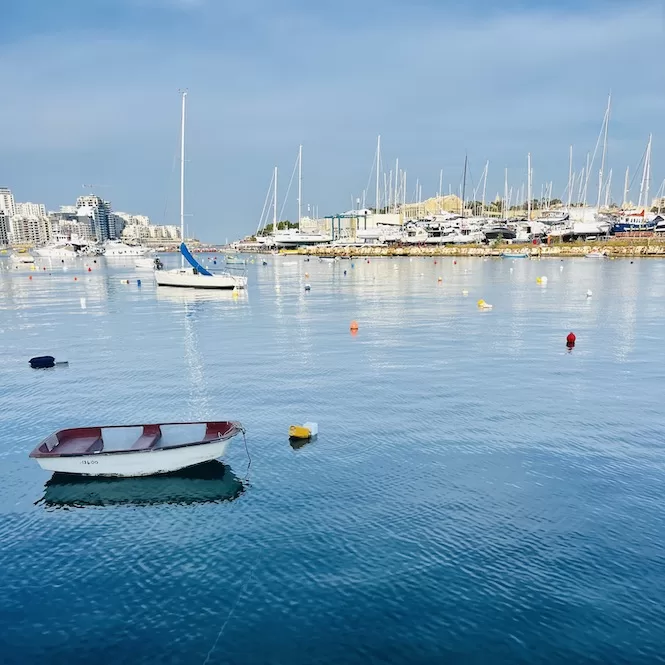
{"x": 560, "y": 267}
{"x": 234, "y": 293}
{"x": 308, "y": 287}
{"x": 307, "y": 274}
{"x": 483, "y": 305}
{"x": 29, "y": 276}
{"x": 215, "y": 262}
{"x": 440, "y": 280}
{"x": 465, "y": 292}
{"x": 75, "y": 279}
{"x": 83, "y": 303}
{"x": 345, "y": 272}
{"x": 44, "y": 267}
{"x": 589, "y": 293}
{"x": 353, "y": 265}
{"x": 454, "y": 263}
{"x": 138, "y": 282}
{"x": 543, "y": 280}
{"x": 64, "y": 268}
{"x": 434, "y": 262}
{"x": 354, "y": 326}
{"x": 89, "y": 269}
{"x": 511, "y": 270}
{"x": 570, "y": 340}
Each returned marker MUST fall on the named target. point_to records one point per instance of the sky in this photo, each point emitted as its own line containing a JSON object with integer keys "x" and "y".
{"x": 89, "y": 95}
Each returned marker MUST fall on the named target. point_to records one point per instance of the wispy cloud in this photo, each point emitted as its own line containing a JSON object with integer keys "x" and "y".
{"x": 263, "y": 79}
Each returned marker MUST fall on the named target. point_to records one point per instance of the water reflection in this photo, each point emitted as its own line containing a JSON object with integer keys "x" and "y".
{"x": 179, "y": 295}
{"x": 211, "y": 482}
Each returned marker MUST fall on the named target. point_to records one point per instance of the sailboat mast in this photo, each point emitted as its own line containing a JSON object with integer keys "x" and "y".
{"x": 570, "y": 177}
{"x": 608, "y": 190}
{"x": 648, "y": 181}
{"x": 378, "y": 171}
{"x": 274, "y": 205}
{"x": 505, "y": 195}
{"x": 602, "y": 161}
{"x": 466, "y": 159}
{"x": 440, "y": 183}
{"x": 182, "y": 175}
{"x": 299, "y": 185}
{"x": 528, "y": 186}
{"x": 624, "y": 203}
{"x": 645, "y": 174}
{"x": 482, "y": 209}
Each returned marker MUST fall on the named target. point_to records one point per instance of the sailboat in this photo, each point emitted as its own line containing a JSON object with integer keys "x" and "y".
{"x": 196, "y": 276}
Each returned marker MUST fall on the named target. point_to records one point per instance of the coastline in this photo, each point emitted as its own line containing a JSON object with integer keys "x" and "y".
{"x": 642, "y": 247}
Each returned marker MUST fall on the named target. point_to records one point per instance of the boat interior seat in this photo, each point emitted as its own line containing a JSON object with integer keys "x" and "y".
{"x": 151, "y": 435}
{"x": 96, "y": 446}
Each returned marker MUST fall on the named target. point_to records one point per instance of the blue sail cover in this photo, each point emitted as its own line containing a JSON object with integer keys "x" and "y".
{"x": 192, "y": 261}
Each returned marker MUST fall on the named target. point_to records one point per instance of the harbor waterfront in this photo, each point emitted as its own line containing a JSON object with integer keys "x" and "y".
{"x": 635, "y": 247}
{"x": 475, "y": 488}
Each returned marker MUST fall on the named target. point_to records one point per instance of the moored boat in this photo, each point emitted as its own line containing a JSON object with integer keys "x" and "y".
{"x": 596, "y": 254}
{"x": 515, "y": 255}
{"x": 134, "y": 450}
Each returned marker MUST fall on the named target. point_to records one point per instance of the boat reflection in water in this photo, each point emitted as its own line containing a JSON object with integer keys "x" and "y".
{"x": 212, "y": 482}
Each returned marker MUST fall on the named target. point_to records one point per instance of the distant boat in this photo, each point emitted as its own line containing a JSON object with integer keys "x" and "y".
{"x": 22, "y": 257}
{"x": 515, "y": 255}
{"x": 134, "y": 450}
{"x": 196, "y": 277}
{"x": 596, "y": 254}
{"x": 235, "y": 261}
{"x": 115, "y": 248}
{"x": 145, "y": 262}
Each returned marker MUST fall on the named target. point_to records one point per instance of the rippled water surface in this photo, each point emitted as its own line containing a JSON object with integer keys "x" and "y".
{"x": 477, "y": 493}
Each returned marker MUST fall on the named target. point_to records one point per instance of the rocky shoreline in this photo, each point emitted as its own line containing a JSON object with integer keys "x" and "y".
{"x": 653, "y": 248}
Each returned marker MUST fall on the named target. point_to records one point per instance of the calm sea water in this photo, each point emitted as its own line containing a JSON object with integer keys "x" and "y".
{"x": 477, "y": 493}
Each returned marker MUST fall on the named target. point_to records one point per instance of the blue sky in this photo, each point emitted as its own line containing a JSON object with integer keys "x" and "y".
{"x": 93, "y": 97}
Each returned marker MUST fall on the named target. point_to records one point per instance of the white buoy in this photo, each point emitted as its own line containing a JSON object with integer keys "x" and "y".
{"x": 589, "y": 293}
{"x": 543, "y": 280}
{"x": 560, "y": 267}
{"x": 465, "y": 292}
{"x": 511, "y": 270}
{"x": 83, "y": 303}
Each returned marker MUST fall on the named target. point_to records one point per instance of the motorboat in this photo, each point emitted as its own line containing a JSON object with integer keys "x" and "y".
{"x": 293, "y": 238}
{"x": 515, "y": 255}
{"x": 57, "y": 251}
{"x": 145, "y": 262}
{"x": 596, "y": 254}
{"x": 22, "y": 258}
{"x": 134, "y": 450}
{"x": 198, "y": 277}
{"x": 115, "y": 248}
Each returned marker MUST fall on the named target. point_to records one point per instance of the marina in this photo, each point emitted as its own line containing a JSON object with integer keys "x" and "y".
{"x": 457, "y": 466}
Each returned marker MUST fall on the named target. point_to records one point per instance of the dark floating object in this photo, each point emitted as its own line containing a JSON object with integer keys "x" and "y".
{"x": 570, "y": 340}
{"x": 45, "y": 362}
{"x": 42, "y": 362}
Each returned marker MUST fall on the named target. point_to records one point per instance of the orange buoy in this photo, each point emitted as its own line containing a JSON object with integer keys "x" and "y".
{"x": 354, "y": 326}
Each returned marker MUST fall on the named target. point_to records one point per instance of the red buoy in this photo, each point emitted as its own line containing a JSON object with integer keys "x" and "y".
{"x": 89, "y": 269}
{"x": 570, "y": 340}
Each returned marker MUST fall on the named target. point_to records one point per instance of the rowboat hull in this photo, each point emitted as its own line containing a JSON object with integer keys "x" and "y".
{"x": 133, "y": 464}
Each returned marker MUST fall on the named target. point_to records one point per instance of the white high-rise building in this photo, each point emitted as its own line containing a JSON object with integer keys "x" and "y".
{"x": 99, "y": 213}
{"x": 7, "y": 201}
{"x": 4, "y": 229}
{"x": 30, "y": 209}
{"x": 29, "y": 230}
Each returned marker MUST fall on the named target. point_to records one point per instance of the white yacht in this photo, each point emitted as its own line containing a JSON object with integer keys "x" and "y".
{"x": 21, "y": 258}
{"x": 116, "y": 248}
{"x": 294, "y": 238}
{"x": 57, "y": 250}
